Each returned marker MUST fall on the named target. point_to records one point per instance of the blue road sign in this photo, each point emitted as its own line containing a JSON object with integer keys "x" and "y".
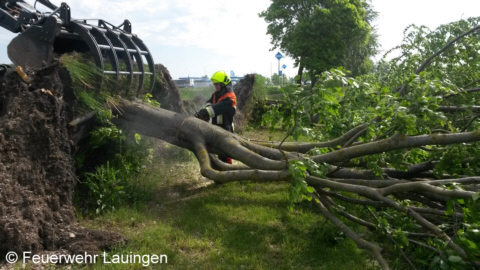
{"x": 280, "y": 73}
{"x": 278, "y": 55}
{"x": 284, "y": 66}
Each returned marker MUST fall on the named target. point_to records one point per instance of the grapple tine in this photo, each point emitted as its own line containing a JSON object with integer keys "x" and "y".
{"x": 93, "y": 46}
{"x": 138, "y": 58}
{"x": 110, "y": 50}
{"x": 116, "y": 41}
{"x": 148, "y": 56}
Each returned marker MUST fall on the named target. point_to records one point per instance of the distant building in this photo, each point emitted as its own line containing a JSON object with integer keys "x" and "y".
{"x": 184, "y": 82}
{"x": 202, "y": 81}
{"x": 193, "y": 82}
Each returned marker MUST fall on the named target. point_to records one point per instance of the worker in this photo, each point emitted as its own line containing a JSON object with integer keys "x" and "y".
{"x": 220, "y": 108}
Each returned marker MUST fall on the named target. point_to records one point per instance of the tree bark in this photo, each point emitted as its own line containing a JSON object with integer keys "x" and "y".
{"x": 300, "y": 72}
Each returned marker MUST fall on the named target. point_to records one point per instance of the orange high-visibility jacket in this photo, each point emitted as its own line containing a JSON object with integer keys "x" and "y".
{"x": 221, "y": 107}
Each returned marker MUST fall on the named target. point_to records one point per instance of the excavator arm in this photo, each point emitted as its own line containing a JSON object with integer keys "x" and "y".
{"x": 114, "y": 49}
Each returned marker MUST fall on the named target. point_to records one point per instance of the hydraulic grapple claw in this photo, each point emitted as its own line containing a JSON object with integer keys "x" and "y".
{"x": 114, "y": 49}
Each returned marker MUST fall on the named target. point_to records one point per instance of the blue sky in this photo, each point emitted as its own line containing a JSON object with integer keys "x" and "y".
{"x": 198, "y": 37}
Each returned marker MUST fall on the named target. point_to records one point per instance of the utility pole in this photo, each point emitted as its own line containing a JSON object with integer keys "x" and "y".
{"x": 279, "y": 56}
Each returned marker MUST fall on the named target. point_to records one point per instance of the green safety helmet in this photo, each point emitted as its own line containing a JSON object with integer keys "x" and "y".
{"x": 220, "y": 77}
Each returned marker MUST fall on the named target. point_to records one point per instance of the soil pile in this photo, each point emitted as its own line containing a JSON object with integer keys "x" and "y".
{"x": 37, "y": 174}
{"x": 243, "y": 90}
{"x": 166, "y": 91}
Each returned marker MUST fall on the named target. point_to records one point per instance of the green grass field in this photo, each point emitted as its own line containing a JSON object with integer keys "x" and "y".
{"x": 201, "y": 225}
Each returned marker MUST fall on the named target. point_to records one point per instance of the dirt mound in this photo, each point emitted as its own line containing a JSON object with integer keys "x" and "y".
{"x": 166, "y": 91}
{"x": 243, "y": 90}
{"x": 37, "y": 174}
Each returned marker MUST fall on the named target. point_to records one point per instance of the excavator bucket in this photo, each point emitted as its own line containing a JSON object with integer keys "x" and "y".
{"x": 114, "y": 49}
{"x": 34, "y": 47}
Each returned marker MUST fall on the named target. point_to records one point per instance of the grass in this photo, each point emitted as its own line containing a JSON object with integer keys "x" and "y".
{"x": 202, "y": 225}
{"x": 191, "y": 93}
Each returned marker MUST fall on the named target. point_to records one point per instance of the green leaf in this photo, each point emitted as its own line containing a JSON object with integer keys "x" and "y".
{"x": 449, "y": 210}
{"x": 310, "y": 189}
{"x": 476, "y": 196}
{"x": 455, "y": 259}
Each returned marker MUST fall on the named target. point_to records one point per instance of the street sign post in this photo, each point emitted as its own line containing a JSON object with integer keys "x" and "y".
{"x": 284, "y": 67}
{"x": 279, "y": 56}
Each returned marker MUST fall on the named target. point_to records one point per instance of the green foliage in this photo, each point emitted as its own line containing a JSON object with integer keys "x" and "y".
{"x": 148, "y": 99}
{"x": 84, "y": 73}
{"x": 125, "y": 160}
{"x": 259, "y": 88}
{"x": 258, "y": 96}
{"x": 299, "y": 169}
{"x": 399, "y": 99}
{"x": 105, "y": 189}
{"x": 278, "y": 80}
{"x": 111, "y": 161}
{"x": 114, "y": 184}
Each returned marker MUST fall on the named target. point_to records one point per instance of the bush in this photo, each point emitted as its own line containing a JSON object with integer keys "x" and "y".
{"x": 105, "y": 188}
{"x": 259, "y": 88}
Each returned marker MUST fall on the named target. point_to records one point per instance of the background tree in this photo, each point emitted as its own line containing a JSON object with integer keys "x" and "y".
{"x": 322, "y": 34}
{"x": 268, "y": 81}
{"x": 276, "y": 79}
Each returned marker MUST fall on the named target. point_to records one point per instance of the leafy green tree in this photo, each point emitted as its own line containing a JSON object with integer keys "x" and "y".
{"x": 430, "y": 91}
{"x": 276, "y": 79}
{"x": 322, "y": 34}
{"x": 268, "y": 81}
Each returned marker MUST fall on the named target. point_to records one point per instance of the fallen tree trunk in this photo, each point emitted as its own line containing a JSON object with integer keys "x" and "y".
{"x": 266, "y": 163}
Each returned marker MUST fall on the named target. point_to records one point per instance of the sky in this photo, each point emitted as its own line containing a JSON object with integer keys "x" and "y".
{"x": 198, "y": 37}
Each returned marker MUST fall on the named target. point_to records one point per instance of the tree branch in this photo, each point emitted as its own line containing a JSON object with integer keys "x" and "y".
{"x": 397, "y": 142}
{"x": 450, "y": 43}
{"x": 473, "y": 90}
{"x": 361, "y": 243}
{"x": 458, "y": 108}
{"x": 330, "y": 203}
{"x": 305, "y": 147}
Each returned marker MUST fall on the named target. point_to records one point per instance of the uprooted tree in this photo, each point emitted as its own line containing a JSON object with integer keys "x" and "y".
{"x": 395, "y": 152}
{"x": 402, "y": 144}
